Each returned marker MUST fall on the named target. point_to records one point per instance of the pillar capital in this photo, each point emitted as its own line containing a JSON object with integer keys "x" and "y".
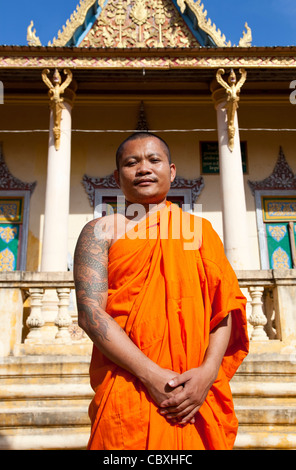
{"x": 229, "y": 93}
{"x": 57, "y": 88}
{"x": 219, "y": 95}
{"x": 70, "y": 93}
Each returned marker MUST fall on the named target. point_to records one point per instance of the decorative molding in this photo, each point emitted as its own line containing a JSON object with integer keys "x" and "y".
{"x": 195, "y": 186}
{"x": 282, "y": 177}
{"x": 152, "y": 60}
{"x": 10, "y": 182}
{"x": 92, "y": 183}
{"x": 108, "y": 182}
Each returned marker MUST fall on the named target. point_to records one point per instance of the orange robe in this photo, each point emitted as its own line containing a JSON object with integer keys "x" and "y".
{"x": 167, "y": 300}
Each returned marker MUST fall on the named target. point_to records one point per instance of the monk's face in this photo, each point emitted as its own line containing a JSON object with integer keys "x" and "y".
{"x": 144, "y": 173}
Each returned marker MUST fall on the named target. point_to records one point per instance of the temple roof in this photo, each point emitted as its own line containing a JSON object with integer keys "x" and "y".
{"x": 140, "y": 24}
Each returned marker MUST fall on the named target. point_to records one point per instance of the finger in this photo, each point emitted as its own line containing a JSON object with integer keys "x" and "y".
{"x": 174, "y": 411}
{"x": 173, "y": 391}
{"x": 177, "y": 411}
{"x": 178, "y": 380}
{"x": 184, "y": 414}
{"x": 175, "y": 400}
{"x": 190, "y": 417}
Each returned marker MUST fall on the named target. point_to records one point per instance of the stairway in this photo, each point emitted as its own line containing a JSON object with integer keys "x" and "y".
{"x": 44, "y": 402}
{"x": 264, "y": 392}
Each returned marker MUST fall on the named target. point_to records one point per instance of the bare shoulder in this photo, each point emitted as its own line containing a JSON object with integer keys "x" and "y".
{"x": 97, "y": 232}
{"x": 92, "y": 245}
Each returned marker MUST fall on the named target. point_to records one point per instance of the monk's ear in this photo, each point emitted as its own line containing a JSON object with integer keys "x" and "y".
{"x": 173, "y": 171}
{"x": 116, "y": 176}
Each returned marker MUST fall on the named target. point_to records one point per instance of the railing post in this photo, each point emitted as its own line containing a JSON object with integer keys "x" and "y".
{"x": 35, "y": 321}
{"x": 285, "y": 301}
{"x": 63, "y": 320}
{"x": 257, "y": 318}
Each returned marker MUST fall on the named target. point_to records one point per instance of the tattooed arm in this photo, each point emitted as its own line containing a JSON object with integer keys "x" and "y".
{"x": 91, "y": 283}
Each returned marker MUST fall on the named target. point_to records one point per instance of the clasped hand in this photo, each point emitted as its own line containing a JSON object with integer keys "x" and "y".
{"x": 189, "y": 391}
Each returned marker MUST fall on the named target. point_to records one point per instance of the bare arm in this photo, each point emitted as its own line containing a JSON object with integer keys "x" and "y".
{"x": 91, "y": 283}
{"x": 197, "y": 382}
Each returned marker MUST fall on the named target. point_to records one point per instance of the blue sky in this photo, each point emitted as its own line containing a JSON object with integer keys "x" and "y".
{"x": 272, "y": 21}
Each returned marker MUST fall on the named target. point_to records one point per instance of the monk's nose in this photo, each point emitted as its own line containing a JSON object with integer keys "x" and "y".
{"x": 143, "y": 169}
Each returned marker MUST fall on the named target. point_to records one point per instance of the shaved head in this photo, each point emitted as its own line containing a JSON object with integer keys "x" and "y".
{"x": 141, "y": 135}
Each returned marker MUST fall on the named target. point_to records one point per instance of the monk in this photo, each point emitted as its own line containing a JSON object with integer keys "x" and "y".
{"x": 165, "y": 314}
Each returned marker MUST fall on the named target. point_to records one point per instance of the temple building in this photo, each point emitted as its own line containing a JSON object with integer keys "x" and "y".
{"x": 227, "y": 113}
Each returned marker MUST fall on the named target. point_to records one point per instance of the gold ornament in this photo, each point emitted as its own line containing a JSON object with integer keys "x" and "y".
{"x": 32, "y": 39}
{"x": 56, "y": 89}
{"x": 233, "y": 90}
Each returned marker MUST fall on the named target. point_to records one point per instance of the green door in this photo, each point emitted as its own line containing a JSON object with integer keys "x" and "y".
{"x": 280, "y": 245}
{"x": 11, "y": 218}
{"x": 279, "y": 217}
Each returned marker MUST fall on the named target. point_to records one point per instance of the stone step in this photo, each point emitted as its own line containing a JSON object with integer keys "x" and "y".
{"x": 44, "y": 370}
{"x": 262, "y": 414}
{"x": 34, "y": 416}
{"x": 71, "y": 413}
{"x": 266, "y": 438}
{"x": 39, "y": 391}
{"x": 268, "y": 389}
{"x": 48, "y": 438}
{"x": 76, "y": 438}
{"x": 44, "y": 403}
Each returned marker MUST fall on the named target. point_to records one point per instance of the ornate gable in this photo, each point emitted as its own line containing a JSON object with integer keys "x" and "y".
{"x": 140, "y": 23}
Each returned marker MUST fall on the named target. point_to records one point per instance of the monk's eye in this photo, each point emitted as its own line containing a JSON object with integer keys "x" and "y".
{"x": 130, "y": 163}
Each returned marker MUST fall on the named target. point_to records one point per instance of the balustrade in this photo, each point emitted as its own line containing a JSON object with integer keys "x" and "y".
{"x": 63, "y": 320}
{"x": 35, "y": 321}
{"x": 271, "y": 307}
{"x": 257, "y": 318}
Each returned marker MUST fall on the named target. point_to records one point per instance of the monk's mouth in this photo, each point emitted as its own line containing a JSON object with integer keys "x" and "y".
{"x": 145, "y": 182}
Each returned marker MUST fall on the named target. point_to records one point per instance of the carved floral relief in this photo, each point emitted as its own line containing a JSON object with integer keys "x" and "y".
{"x": 140, "y": 23}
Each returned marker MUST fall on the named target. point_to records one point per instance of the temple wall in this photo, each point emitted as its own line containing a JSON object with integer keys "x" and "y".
{"x": 93, "y": 153}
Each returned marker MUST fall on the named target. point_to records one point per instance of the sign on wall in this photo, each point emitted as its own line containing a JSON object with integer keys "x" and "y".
{"x": 209, "y": 152}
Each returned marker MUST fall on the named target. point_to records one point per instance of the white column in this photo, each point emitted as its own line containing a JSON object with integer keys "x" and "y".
{"x": 235, "y": 229}
{"x": 55, "y": 234}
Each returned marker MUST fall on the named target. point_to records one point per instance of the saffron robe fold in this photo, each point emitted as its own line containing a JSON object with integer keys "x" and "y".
{"x": 168, "y": 299}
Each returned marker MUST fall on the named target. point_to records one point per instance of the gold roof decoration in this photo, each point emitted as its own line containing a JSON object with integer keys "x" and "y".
{"x": 203, "y": 22}
{"x": 140, "y": 24}
{"x": 76, "y": 19}
{"x": 143, "y": 23}
{"x": 32, "y": 39}
{"x": 246, "y": 40}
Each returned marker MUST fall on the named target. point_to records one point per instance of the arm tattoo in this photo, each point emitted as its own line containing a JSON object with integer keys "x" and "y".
{"x": 91, "y": 282}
